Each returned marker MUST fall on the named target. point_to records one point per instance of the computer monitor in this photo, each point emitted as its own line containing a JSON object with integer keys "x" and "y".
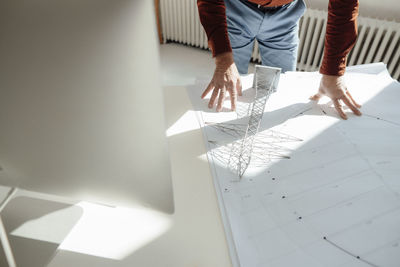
{"x": 81, "y": 105}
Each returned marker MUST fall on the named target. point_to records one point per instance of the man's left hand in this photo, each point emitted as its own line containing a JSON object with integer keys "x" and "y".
{"x": 334, "y": 87}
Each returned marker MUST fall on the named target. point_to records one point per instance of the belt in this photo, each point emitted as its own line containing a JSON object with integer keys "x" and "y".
{"x": 269, "y": 9}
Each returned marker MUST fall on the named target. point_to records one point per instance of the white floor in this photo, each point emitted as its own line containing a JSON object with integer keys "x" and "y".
{"x": 181, "y": 65}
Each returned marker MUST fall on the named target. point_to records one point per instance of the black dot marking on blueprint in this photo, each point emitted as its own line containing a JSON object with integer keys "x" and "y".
{"x": 349, "y": 253}
{"x": 382, "y": 119}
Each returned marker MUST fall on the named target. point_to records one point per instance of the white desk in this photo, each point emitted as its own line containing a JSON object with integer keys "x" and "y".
{"x": 194, "y": 236}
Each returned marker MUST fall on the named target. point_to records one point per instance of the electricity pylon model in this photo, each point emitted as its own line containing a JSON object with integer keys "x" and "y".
{"x": 265, "y": 82}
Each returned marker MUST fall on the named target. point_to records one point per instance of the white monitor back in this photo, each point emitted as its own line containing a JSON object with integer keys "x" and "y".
{"x": 81, "y": 107}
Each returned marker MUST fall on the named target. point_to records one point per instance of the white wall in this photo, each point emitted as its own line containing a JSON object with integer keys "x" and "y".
{"x": 382, "y": 9}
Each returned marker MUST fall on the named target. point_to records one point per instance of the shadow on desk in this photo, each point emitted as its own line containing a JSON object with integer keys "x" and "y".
{"x": 36, "y": 228}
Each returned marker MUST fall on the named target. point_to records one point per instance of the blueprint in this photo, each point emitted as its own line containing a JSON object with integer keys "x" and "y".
{"x": 319, "y": 191}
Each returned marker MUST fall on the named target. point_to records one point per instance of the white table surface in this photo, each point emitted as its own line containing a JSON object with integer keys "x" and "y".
{"x": 192, "y": 236}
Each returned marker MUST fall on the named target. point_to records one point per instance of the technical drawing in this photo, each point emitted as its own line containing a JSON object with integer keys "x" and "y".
{"x": 336, "y": 202}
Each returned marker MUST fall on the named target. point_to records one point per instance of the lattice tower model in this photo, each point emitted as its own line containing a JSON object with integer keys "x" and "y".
{"x": 241, "y": 151}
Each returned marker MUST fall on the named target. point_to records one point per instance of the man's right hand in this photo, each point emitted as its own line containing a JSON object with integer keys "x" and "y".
{"x": 226, "y": 78}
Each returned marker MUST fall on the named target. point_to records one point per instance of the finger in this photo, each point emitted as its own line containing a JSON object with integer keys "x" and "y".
{"x": 213, "y": 97}
{"x": 233, "y": 96}
{"x": 339, "y": 109}
{"x": 208, "y": 89}
{"x": 221, "y": 99}
{"x": 350, "y": 105}
{"x": 352, "y": 99}
{"x": 316, "y": 97}
{"x": 231, "y": 88}
{"x": 239, "y": 86}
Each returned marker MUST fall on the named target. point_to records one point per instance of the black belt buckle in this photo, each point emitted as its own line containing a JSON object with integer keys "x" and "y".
{"x": 272, "y": 9}
{"x": 268, "y": 9}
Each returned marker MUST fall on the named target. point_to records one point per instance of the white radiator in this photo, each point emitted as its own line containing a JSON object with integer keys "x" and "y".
{"x": 378, "y": 40}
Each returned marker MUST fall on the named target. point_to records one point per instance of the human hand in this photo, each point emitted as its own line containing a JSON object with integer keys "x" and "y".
{"x": 226, "y": 78}
{"x": 334, "y": 87}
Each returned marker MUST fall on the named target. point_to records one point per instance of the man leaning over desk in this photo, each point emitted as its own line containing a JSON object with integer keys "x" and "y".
{"x": 233, "y": 25}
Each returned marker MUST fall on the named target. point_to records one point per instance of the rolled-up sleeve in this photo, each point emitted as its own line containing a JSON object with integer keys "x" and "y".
{"x": 213, "y": 18}
{"x": 341, "y": 35}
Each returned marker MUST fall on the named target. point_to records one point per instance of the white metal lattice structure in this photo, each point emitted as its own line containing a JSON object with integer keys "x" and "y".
{"x": 378, "y": 40}
{"x": 265, "y": 78}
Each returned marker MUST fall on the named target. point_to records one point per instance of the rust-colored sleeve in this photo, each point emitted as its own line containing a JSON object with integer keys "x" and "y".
{"x": 213, "y": 18}
{"x": 341, "y": 35}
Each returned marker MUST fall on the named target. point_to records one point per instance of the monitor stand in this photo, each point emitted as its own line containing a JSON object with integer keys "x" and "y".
{"x": 3, "y": 233}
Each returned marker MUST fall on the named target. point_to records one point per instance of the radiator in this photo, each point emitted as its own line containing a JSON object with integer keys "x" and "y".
{"x": 378, "y": 40}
